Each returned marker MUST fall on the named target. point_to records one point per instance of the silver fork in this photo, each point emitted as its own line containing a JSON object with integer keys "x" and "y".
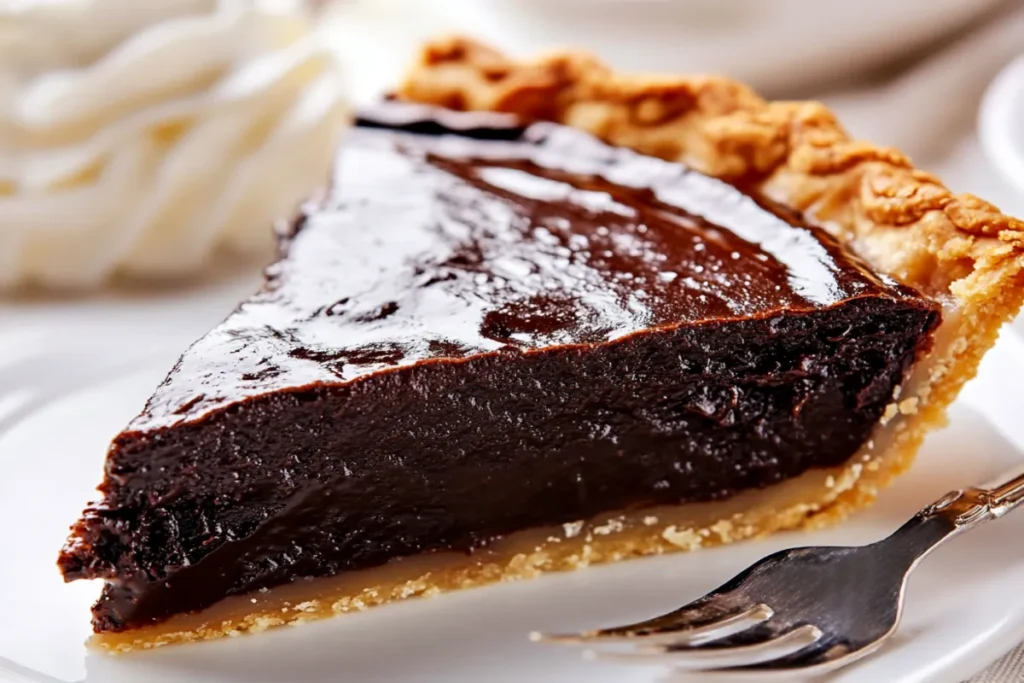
{"x": 804, "y": 611}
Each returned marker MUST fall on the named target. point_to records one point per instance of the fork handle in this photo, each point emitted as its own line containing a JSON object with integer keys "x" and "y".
{"x": 1007, "y": 491}
{"x": 953, "y": 514}
{"x": 971, "y": 506}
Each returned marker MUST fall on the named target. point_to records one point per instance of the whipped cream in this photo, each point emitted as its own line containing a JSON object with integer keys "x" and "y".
{"x": 142, "y": 136}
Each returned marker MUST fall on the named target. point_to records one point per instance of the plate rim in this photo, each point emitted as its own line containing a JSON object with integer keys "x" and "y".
{"x": 1001, "y": 107}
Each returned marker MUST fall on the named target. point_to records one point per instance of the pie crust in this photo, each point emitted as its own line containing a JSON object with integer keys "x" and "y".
{"x": 956, "y": 249}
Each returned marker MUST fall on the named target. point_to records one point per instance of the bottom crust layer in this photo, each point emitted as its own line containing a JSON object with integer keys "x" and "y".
{"x": 816, "y": 498}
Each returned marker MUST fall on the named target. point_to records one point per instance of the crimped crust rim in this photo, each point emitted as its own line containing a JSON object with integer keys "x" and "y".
{"x": 795, "y": 152}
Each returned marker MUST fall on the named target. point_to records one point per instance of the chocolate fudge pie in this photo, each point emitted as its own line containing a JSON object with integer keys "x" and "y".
{"x": 586, "y": 317}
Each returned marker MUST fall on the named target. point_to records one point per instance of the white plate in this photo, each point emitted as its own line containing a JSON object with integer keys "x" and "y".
{"x": 771, "y": 44}
{"x": 774, "y": 45}
{"x": 1001, "y": 123}
{"x": 58, "y": 409}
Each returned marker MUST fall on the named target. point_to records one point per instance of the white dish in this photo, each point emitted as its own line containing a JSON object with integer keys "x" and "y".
{"x": 774, "y": 45}
{"x": 59, "y": 407}
{"x": 1001, "y": 123}
{"x": 771, "y": 44}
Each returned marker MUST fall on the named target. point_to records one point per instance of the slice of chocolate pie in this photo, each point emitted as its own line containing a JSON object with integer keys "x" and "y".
{"x": 495, "y": 349}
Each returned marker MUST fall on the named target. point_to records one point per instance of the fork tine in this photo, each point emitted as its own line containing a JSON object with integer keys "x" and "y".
{"x": 702, "y": 621}
{"x": 707, "y": 657}
{"x": 827, "y": 649}
{"x": 827, "y": 655}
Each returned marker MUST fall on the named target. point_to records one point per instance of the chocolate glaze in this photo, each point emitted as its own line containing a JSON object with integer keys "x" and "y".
{"x": 483, "y": 328}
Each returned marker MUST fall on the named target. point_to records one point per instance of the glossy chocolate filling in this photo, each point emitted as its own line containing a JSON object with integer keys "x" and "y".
{"x": 480, "y": 329}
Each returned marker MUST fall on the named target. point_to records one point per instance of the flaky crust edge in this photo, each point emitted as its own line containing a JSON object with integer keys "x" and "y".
{"x": 955, "y": 248}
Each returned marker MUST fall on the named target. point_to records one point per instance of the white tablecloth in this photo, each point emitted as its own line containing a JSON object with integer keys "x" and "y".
{"x": 1009, "y": 669}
